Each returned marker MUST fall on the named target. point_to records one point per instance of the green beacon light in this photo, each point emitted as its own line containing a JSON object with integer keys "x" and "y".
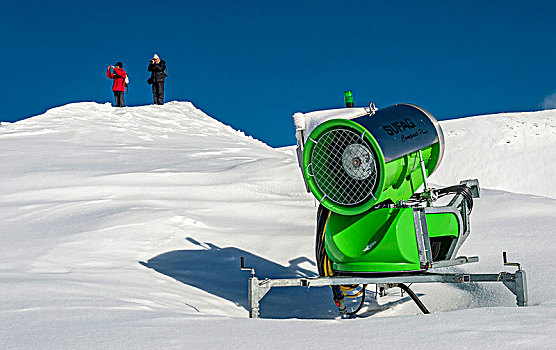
{"x": 348, "y": 99}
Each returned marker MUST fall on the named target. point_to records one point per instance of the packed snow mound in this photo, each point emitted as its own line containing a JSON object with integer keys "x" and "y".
{"x": 509, "y": 151}
{"x": 104, "y": 124}
{"x": 124, "y": 228}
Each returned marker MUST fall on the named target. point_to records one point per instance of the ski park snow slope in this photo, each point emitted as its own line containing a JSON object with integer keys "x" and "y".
{"x": 123, "y": 228}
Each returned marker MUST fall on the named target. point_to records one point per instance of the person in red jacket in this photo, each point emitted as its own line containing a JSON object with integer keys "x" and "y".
{"x": 118, "y": 74}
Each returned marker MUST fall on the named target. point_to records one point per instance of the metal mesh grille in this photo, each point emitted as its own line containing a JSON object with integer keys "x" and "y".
{"x": 344, "y": 167}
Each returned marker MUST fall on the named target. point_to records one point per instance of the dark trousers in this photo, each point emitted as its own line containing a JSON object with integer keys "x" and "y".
{"x": 119, "y": 98}
{"x": 158, "y": 93}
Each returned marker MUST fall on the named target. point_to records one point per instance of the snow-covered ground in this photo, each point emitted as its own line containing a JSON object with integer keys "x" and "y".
{"x": 123, "y": 228}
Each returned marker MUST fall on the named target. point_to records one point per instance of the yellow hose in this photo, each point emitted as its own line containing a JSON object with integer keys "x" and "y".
{"x": 329, "y": 270}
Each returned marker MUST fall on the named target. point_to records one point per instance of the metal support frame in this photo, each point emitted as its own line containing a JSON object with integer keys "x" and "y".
{"x": 515, "y": 282}
{"x": 457, "y": 207}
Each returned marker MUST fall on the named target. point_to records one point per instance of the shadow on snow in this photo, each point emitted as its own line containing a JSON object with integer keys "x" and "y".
{"x": 217, "y": 271}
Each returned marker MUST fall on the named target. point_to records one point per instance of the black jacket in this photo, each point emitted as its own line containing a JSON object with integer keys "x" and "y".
{"x": 157, "y": 71}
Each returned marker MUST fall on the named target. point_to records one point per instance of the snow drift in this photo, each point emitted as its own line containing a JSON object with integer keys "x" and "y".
{"x": 513, "y": 152}
{"x": 124, "y": 227}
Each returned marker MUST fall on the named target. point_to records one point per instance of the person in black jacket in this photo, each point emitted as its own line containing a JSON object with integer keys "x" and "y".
{"x": 157, "y": 67}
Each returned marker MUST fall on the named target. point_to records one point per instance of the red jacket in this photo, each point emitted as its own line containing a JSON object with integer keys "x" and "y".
{"x": 119, "y": 78}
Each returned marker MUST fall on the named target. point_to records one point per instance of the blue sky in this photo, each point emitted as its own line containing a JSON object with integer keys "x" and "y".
{"x": 252, "y": 64}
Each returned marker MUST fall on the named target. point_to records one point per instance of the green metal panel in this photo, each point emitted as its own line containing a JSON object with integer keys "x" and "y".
{"x": 381, "y": 240}
{"x": 442, "y": 224}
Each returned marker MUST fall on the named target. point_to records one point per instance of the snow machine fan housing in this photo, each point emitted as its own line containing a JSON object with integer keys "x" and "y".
{"x": 352, "y": 164}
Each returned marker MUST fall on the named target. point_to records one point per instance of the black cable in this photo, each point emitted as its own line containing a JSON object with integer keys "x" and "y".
{"x": 414, "y": 297}
{"x": 464, "y": 190}
{"x": 360, "y": 305}
{"x": 322, "y": 216}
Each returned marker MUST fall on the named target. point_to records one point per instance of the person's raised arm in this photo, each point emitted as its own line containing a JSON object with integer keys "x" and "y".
{"x": 109, "y": 74}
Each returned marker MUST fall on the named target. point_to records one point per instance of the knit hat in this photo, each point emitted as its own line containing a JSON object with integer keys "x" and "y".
{"x": 155, "y": 57}
{"x": 119, "y": 64}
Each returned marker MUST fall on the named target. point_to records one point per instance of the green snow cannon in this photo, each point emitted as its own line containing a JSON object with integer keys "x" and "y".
{"x": 365, "y": 172}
